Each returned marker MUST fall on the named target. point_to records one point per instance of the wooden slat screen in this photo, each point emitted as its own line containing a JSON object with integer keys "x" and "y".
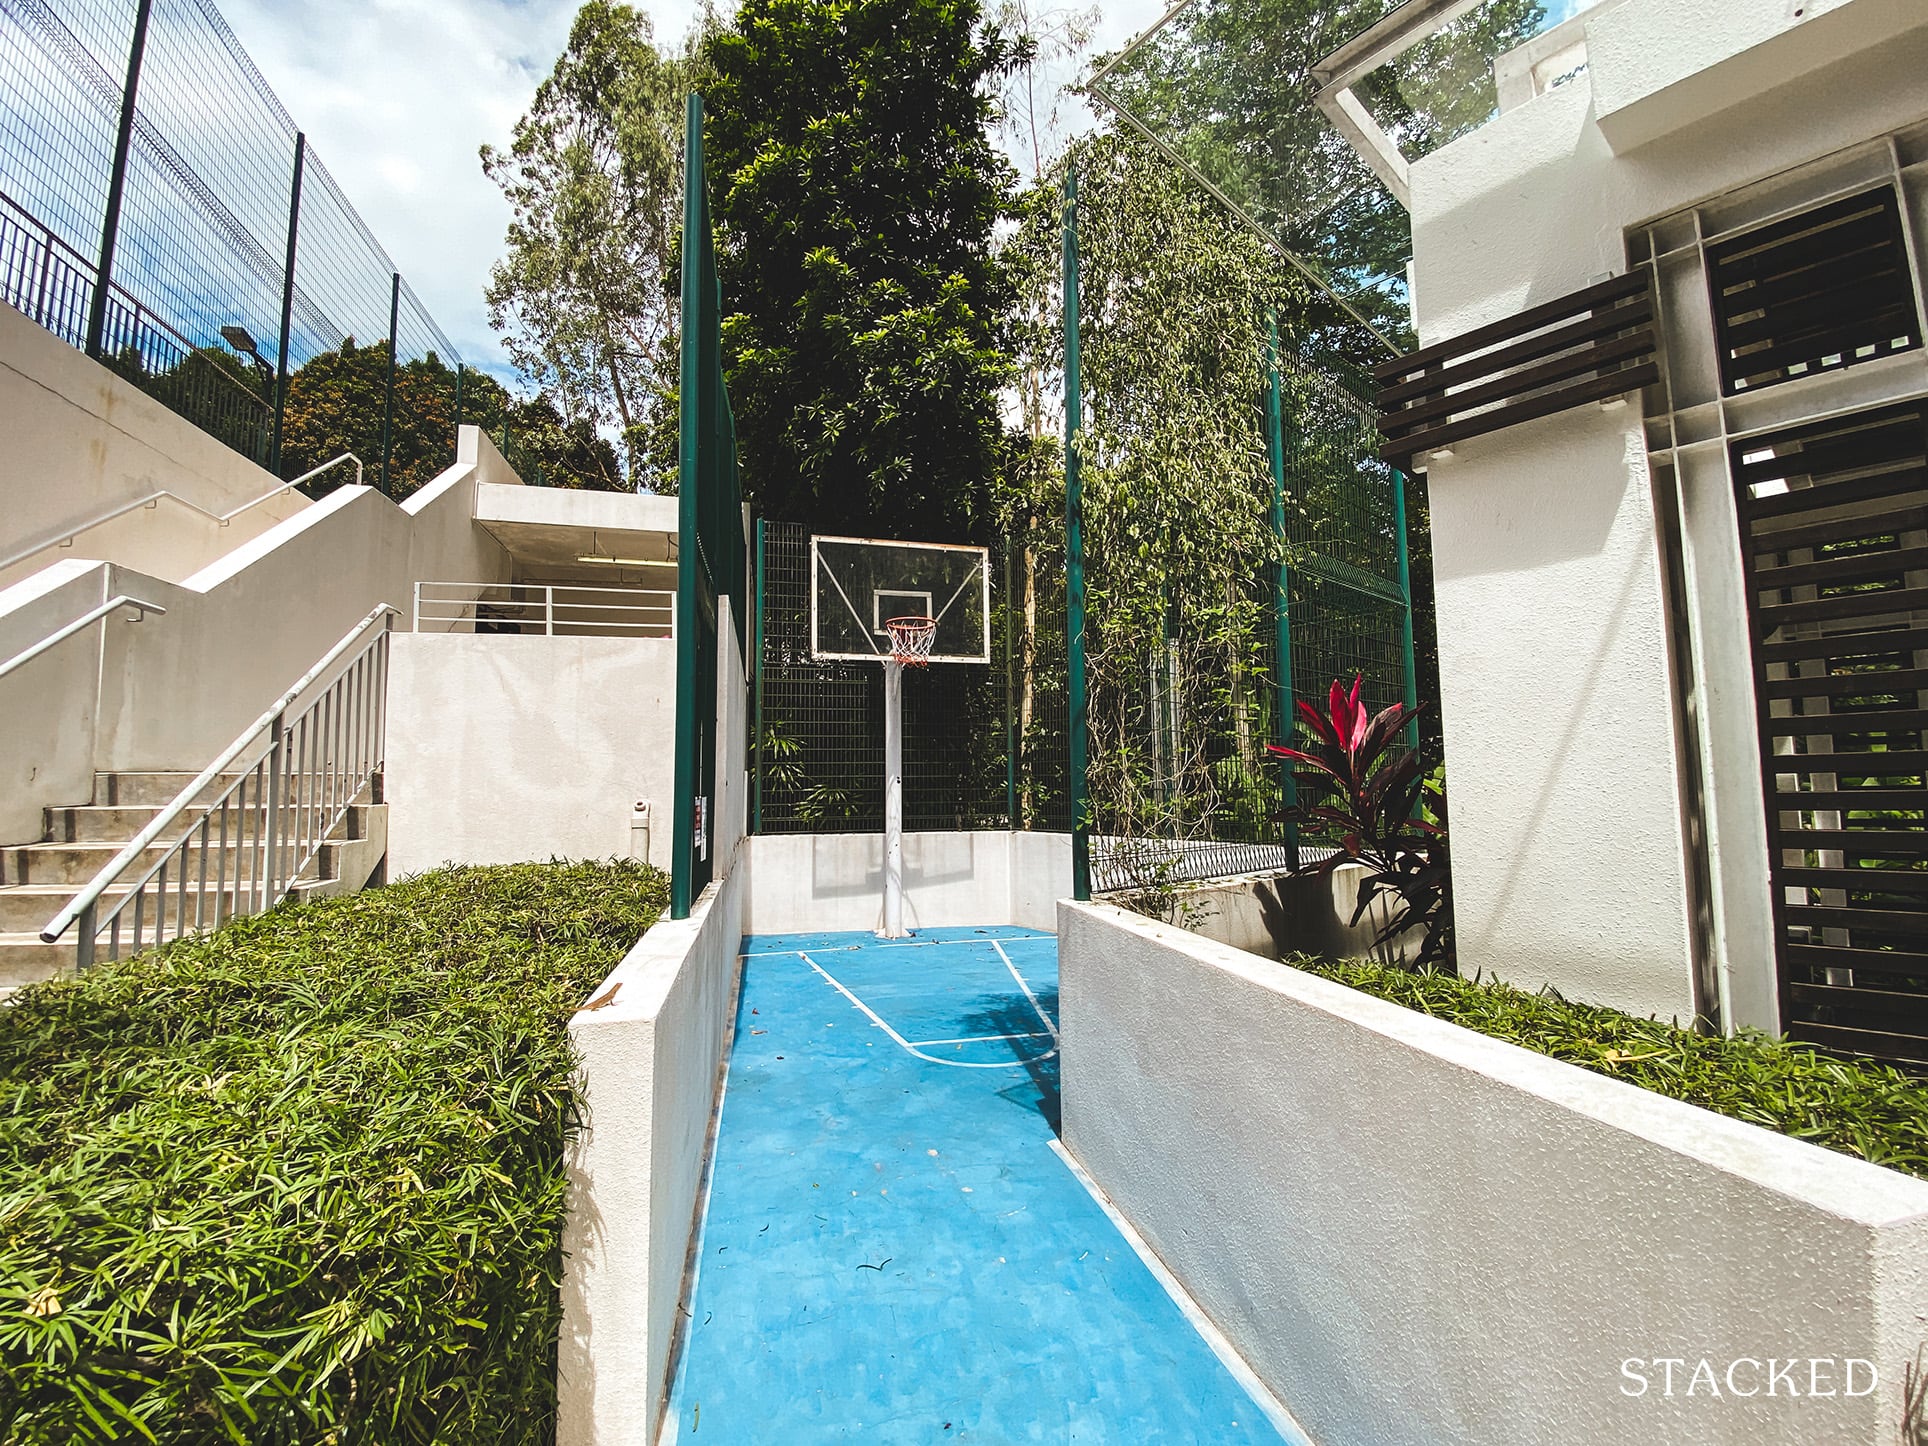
{"x": 1834, "y": 525}
{"x": 1813, "y": 293}
{"x": 1586, "y": 347}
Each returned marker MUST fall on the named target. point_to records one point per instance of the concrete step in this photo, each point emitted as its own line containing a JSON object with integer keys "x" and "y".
{"x": 78, "y": 863}
{"x": 156, "y": 789}
{"x": 24, "y": 959}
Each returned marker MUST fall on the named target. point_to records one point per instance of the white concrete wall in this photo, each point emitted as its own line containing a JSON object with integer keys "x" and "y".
{"x": 80, "y": 442}
{"x": 1276, "y": 914}
{"x": 170, "y": 692}
{"x": 1558, "y": 692}
{"x": 731, "y": 817}
{"x": 504, "y": 748}
{"x": 48, "y": 706}
{"x": 802, "y": 882}
{"x": 652, "y": 1039}
{"x": 1417, "y": 1234}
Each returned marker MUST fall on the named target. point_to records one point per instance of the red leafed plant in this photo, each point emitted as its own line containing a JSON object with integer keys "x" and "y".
{"x": 1376, "y": 806}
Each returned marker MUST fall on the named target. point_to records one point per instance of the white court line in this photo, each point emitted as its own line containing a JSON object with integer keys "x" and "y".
{"x": 905, "y": 1044}
{"x": 913, "y": 944}
{"x": 1269, "y": 1405}
{"x": 974, "y": 1038}
{"x": 1037, "y": 1008}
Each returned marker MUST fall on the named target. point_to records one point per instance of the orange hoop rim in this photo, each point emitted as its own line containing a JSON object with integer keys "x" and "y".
{"x": 911, "y": 639}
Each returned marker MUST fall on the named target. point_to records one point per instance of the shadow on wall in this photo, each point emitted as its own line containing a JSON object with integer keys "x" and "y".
{"x": 1273, "y": 915}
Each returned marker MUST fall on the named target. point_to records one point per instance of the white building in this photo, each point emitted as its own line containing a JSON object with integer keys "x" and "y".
{"x": 1728, "y": 199}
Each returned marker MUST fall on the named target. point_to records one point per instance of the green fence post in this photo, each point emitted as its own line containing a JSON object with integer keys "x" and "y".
{"x": 1406, "y": 594}
{"x": 688, "y": 622}
{"x": 388, "y": 400}
{"x": 1074, "y": 559}
{"x": 1010, "y": 715}
{"x": 459, "y": 369}
{"x": 756, "y": 678}
{"x": 1282, "y": 580}
{"x": 117, "y": 185}
{"x": 287, "y": 302}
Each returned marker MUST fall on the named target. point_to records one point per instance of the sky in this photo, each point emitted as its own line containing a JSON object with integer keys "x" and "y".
{"x": 397, "y": 96}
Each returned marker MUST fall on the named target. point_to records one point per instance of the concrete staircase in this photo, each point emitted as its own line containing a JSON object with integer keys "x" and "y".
{"x": 37, "y": 879}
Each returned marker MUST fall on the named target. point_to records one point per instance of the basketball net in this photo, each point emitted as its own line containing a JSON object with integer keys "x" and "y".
{"x": 911, "y": 639}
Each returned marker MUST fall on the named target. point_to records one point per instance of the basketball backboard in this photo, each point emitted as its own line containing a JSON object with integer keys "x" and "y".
{"x": 857, "y": 584}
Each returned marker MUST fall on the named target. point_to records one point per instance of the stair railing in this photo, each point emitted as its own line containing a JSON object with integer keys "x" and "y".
{"x": 80, "y": 624}
{"x": 284, "y": 785}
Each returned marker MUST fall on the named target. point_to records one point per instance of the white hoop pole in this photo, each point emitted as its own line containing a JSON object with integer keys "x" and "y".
{"x": 893, "y": 801}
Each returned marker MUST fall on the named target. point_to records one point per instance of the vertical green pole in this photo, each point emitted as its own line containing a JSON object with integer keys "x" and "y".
{"x": 1405, "y": 592}
{"x": 689, "y": 426}
{"x": 287, "y": 302}
{"x": 1012, "y": 821}
{"x": 1282, "y": 580}
{"x": 459, "y": 369}
{"x": 388, "y": 401}
{"x": 117, "y": 185}
{"x": 1074, "y": 558}
{"x": 756, "y": 679}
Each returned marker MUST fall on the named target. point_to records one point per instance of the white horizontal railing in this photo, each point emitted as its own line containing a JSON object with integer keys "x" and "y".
{"x": 80, "y": 624}
{"x": 154, "y": 499}
{"x": 283, "y": 786}
{"x": 542, "y": 610}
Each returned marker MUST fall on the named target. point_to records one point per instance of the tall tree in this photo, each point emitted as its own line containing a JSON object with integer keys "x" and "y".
{"x": 585, "y": 297}
{"x": 856, "y": 187}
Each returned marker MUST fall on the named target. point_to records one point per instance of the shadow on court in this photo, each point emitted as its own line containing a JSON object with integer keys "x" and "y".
{"x": 1014, "y": 1018}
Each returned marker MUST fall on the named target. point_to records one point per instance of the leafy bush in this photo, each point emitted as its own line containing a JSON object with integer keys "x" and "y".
{"x": 1857, "y": 1107}
{"x": 301, "y": 1180}
{"x": 1377, "y": 796}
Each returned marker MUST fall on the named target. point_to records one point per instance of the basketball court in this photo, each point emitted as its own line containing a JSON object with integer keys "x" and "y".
{"x": 894, "y": 1246}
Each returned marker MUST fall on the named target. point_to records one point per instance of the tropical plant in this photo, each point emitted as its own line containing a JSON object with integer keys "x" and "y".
{"x": 1377, "y": 798}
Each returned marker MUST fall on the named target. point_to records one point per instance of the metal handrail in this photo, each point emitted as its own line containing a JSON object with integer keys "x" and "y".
{"x": 658, "y": 618}
{"x": 221, "y": 519}
{"x": 273, "y": 875}
{"x": 53, "y": 640}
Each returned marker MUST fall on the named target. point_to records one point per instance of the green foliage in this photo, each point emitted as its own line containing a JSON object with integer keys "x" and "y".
{"x": 586, "y": 295}
{"x": 301, "y": 1180}
{"x": 1174, "y": 296}
{"x": 1857, "y": 1107}
{"x": 855, "y": 189}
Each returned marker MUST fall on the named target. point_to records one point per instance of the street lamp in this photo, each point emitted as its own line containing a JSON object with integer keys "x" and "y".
{"x": 243, "y": 344}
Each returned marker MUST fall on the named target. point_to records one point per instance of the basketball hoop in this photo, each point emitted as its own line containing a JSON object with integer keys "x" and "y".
{"x": 911, "y": 639}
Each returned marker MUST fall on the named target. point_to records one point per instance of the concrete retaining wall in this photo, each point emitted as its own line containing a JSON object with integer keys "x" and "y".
{"x": 1417, "y": 1234}
{"x": 1272, "y": 915}
{"x": 804, "y": 882}
{"x": 652, "y": 1040}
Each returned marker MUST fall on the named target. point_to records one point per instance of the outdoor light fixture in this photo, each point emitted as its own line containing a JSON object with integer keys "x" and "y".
{"x": 609, "y": 560}
{"x": 243, "y": 343}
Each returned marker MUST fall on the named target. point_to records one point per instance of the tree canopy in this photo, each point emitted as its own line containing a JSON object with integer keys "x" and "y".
{"x": 585, "y": 295}
{"x": 856, "y": 190}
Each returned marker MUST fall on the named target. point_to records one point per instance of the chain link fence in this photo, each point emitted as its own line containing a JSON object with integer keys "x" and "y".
{"x": 139, "y": 143}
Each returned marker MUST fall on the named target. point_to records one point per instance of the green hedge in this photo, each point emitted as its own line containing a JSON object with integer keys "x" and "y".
{"x": 301, "y": 1180}
{"x": 1859, "y": 1108}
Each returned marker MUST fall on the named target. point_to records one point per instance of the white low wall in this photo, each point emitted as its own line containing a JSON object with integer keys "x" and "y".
{"x": 1272, "y": 915}
{"x": 808, "y": 882}
{"x": 652, "y": 1040}
{"x": 503, "y": 749}
{"x": 1417, "y": 1234}
{"x": 81, "y": 442}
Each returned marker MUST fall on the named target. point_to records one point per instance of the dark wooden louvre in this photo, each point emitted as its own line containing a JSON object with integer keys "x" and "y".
{"x": 1585, "y": 347}
{"x": 1834, "y": 526}
{"x": 1816, "y": 292}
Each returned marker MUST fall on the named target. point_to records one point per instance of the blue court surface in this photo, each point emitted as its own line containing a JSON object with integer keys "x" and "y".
{"x": 894, "y": 1247}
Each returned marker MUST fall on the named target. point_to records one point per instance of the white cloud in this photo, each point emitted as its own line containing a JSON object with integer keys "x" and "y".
{"x": 396, "y": 97}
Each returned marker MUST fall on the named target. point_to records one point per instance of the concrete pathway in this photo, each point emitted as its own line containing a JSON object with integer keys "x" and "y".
{"x": 895, "y": 1247}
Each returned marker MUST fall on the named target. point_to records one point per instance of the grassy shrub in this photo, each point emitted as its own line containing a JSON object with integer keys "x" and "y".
{"x": 1858, "y": 1108}
{"x": 301, "y": 1180}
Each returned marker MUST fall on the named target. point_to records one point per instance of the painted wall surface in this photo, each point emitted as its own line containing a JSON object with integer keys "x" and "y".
{"x": 504, "y": 748}
{"x": 171, "y": 692}
{"x": 836, "y": 881}
{"x": 1417, "y": 1234}
{"x": 1277, "y": 914}
{"x": 81, "y": 442}
{"x": 652, "y": 1039}
{"x": 1558, "y": 690}
{"x": 48, "y": 706}
{"x": 732, "y": 740}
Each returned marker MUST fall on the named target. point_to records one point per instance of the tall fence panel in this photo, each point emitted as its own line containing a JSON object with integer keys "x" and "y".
{"x": 242, "y": 288}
